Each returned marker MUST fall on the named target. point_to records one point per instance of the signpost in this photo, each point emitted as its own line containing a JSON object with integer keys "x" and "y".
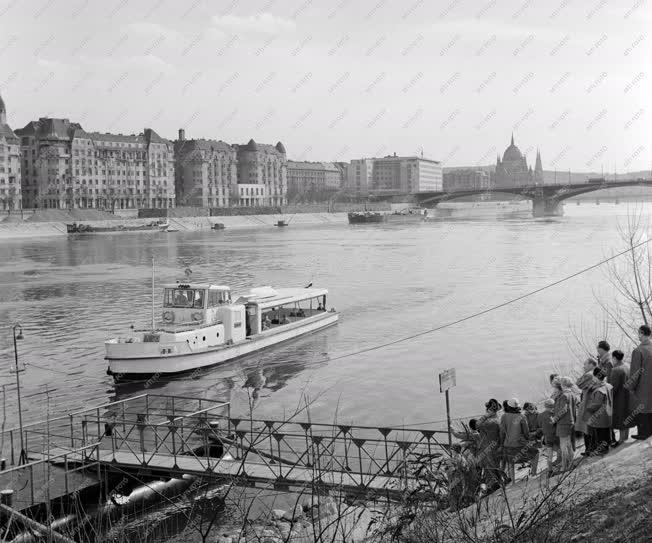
{"x": 446, "y": 381}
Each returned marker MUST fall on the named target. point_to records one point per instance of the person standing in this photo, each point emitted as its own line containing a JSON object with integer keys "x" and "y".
{"x": 563, "y": 419}
{"x": 618, "y": 379}
{"x": 584, "y": 382}
{"x": 600, "y": 410}
{"x": 640, "y": 382}
{"x": 604, "y": 357}
{"x": 489, "y": 427}
{"x": 549, "y": 431}
{"x": 514, "y": 433}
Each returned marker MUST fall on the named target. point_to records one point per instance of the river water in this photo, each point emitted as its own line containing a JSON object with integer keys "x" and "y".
{"x": 387, "y": 281}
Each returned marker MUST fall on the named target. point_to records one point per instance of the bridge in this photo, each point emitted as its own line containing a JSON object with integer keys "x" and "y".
{"x": 157, "y": 436}
{"x": 546, "y": 199}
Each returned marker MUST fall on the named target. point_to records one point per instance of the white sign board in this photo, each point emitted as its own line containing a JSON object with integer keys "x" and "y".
{"x": 446, "y": 380}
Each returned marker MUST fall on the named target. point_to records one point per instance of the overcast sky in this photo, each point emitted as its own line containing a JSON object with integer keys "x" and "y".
{"x": 346, "y": 78}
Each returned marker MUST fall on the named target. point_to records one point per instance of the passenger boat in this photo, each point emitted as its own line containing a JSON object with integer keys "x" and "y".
{"x": 364, "y": 217}
{"x": 75, "y": 228}
{"x": 202, "y": 325}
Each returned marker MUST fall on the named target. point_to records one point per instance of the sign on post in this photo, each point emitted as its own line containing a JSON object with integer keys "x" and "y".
{"x": 446, "y": 381}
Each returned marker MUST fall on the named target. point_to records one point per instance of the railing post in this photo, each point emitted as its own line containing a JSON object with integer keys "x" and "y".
{"x": 65, "y": 474}
{"x": 31, "y": 482}
{"x": 11, "y": 439}
{"x": 140, "y": 422}
{"x": 99, "y": 426}
{"x": 72, "y": 433}
{"x": 84, "y": 424}
{"x": 124, "y": 428}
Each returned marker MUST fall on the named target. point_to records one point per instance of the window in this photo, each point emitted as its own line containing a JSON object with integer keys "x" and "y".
{"x": 184, "y": 298}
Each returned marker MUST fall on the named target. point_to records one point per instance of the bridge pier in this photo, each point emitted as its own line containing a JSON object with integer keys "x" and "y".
{"x": 547, "y": 207}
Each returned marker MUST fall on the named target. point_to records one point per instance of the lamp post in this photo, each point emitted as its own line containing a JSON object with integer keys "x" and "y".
{"x": 18, "y": 334}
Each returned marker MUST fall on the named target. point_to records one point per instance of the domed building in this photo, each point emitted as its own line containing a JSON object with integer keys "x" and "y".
{"x": 513, "y": 171}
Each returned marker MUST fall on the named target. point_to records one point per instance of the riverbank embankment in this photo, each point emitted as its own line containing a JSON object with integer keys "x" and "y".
{"x": 26, "y": 229}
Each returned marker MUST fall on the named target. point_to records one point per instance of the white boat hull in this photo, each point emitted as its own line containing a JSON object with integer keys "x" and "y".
{"x": 123, "y": 363}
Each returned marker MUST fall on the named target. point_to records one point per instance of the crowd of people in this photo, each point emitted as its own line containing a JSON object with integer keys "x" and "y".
{"x": 596, "y": 409}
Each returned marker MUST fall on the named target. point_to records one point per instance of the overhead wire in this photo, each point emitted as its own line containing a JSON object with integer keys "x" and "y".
{"x": 492, "y": 308}
{"x": 437, "y": 328}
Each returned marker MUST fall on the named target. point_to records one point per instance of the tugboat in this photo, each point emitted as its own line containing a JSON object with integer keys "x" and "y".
{"x": 202, "y": 325}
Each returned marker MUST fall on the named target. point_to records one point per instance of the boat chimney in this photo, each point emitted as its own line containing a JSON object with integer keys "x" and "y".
{"x": 182, "y": 134}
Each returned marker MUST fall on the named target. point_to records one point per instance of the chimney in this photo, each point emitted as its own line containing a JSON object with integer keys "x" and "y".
{"x": 182, "y": 134}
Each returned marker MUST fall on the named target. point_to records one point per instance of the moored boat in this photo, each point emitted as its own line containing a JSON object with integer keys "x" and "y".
{"x": 364, "y": 217}
{"x": 408, "y": 215}
{"x": 218, "y": 226}
{"x": 202, "y": 325}
{"x": 75, "y": 228}
{"x": 281, "y": 223}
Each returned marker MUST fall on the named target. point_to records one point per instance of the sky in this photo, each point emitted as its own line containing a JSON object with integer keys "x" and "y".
{"x": 345, "y": 79}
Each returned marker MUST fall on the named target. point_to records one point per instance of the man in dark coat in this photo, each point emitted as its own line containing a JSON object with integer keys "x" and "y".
{"x": 640, "y": 382}
{"x": 618, "y": 379}
{"x": 604, "y": 357}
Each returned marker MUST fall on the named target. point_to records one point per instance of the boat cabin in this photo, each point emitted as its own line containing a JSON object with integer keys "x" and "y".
{"x": 191, "y": 306}
{"x": 268, "y": 308}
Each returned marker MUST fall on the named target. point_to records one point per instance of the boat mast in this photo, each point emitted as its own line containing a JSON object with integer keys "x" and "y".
{"x": 153, "y": 323}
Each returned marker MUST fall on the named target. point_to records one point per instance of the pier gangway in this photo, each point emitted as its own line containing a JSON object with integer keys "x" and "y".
{"x": 153, "y": 435}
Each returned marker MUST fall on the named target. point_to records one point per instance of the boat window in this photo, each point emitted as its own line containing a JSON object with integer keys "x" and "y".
{"x": 218, "y": 297}
{"x": 183, "y": 298}
{"x": 199, "y": 299}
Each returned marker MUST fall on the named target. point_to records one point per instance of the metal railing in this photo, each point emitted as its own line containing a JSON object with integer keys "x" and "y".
{"x": 184, "y": 434}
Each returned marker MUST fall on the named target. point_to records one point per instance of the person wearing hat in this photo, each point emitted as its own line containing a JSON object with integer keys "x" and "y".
{"x": 550, "y": 439}
{"x": 563, "y": 418}
{"x": 514, "y": 433}
{"x": 640, "y": 383}
{"x": 604, "y": 357}
{"x": 600, "y": 410}
{"x": 621, "y": 415}
{"x": 585, "y": 382}
{"x": 489, "y": 428}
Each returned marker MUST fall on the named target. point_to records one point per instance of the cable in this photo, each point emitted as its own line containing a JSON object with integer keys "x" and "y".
{"x": 489, "y": 309}
{"x": 443, "y": 326}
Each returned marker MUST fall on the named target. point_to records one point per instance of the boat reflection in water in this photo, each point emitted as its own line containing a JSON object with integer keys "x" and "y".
{"x": 250, "y": 375}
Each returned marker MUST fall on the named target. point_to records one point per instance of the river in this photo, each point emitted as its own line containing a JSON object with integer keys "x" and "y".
{"x": 387, "y": 281}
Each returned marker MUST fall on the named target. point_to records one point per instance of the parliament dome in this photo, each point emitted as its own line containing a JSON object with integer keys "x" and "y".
{"x": 512, "y": 153}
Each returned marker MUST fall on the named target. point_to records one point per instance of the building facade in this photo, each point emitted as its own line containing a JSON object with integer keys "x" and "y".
{"x": 204, "y": 172}
{"x": 10, "y": 165}
{"x": 513, "y": 170}
{"x": 261, "y": 175}
{"x": 314, "y": 181}
{"x": 466, "y": 179}
{"x": 66, "y": 167}
{"x": 394, "y": 174}
{"x": 212, "y": 173}
{"x": 358, "y": 175}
